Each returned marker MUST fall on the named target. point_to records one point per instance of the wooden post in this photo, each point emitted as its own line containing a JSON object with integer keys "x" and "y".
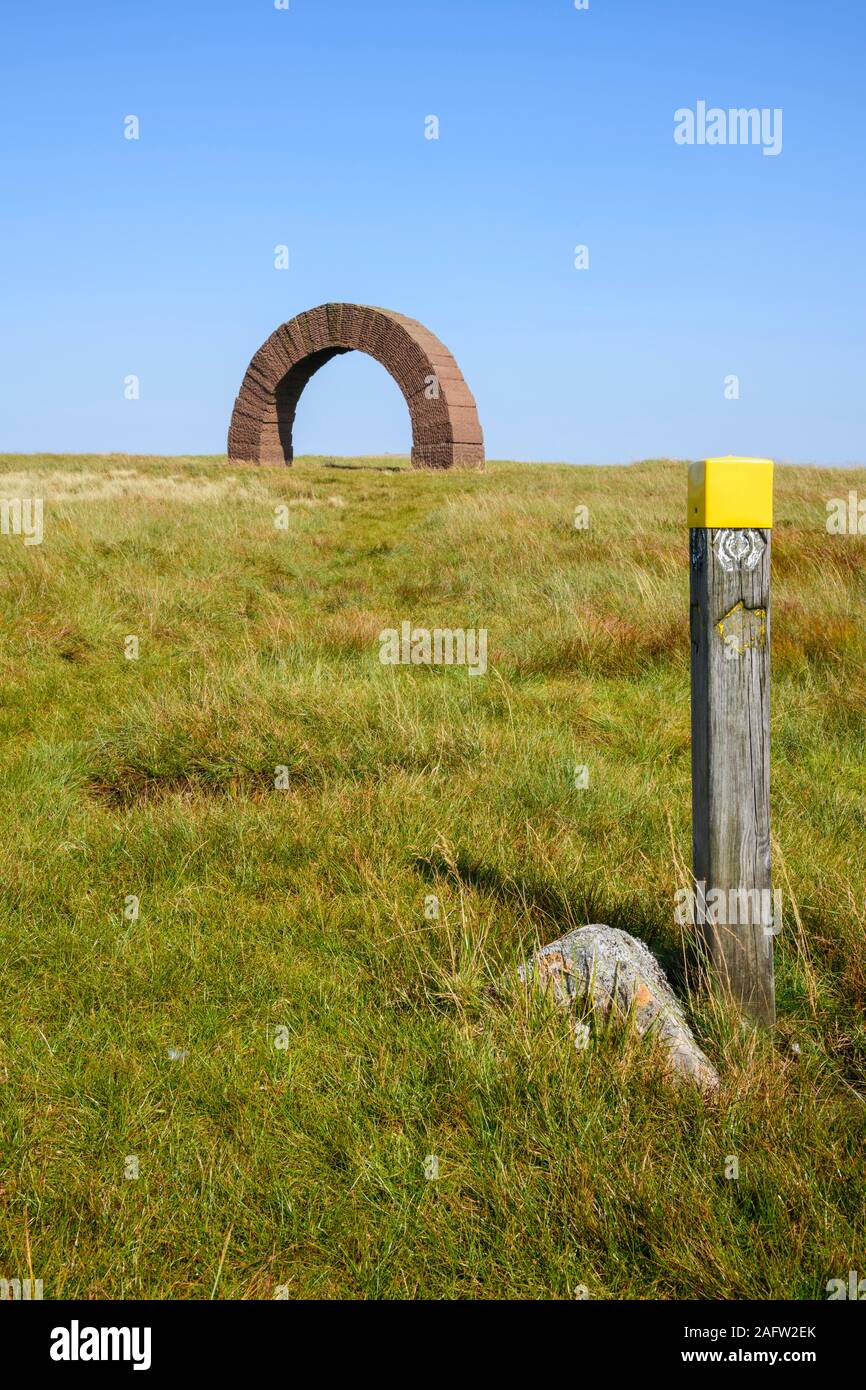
{"x": 730, "y": 508}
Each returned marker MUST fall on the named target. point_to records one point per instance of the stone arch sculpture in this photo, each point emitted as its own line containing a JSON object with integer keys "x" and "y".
{"x": 446, "y": 432}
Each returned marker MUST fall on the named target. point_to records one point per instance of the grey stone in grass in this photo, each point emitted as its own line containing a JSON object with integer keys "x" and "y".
{"x": 604, "y": 967}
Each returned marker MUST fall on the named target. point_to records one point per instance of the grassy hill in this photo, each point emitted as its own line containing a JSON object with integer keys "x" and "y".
{"x": 283, "y": 1038}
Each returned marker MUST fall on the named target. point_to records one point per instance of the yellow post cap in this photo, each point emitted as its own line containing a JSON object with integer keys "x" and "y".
{"x": 731, "y": 492}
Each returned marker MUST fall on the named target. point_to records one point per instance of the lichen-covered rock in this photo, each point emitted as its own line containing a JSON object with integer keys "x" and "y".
{"x": 606, "y": 968}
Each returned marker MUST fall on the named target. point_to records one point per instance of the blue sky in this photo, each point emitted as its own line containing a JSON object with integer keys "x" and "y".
{"x": 261, "y": 127}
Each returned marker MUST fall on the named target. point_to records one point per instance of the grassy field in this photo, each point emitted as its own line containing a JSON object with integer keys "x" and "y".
{"x": 281, "y": 1039}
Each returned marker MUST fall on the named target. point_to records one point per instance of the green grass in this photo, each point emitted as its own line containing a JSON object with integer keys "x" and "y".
{"x": 303, "y": 909}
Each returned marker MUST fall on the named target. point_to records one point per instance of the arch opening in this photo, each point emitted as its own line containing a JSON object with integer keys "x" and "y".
{"x": 353, "y": 408}
{"x": 446, "y": 431}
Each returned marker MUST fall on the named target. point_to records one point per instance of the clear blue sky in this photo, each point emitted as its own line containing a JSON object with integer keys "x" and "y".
{"x": 305, "y": 127}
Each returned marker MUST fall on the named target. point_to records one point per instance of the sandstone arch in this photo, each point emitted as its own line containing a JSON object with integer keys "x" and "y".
{"x": 446, "y": 432}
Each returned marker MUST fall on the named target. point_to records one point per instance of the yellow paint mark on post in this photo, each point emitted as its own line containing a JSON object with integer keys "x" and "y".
{"x": 743, "y": 628}
{"x": 731, "y": 492}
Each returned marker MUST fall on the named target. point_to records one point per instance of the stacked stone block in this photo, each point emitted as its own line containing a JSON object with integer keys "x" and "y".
{"x": 446, "y": 431}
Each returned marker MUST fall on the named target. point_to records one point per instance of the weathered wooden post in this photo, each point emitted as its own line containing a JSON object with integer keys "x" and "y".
{"x": 730, "y": 506}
